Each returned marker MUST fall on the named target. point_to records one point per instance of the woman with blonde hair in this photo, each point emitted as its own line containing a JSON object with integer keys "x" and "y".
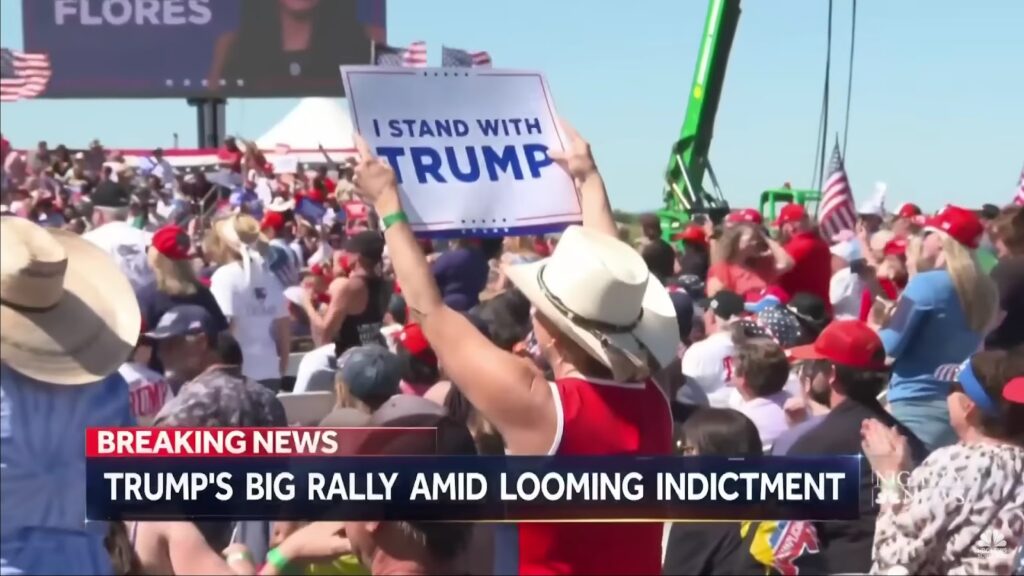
{"x": 746, "y": 261}
{"x": 174, "y": 282}
{"x": 941, "y": 318}
{"x": 251, "y": 297}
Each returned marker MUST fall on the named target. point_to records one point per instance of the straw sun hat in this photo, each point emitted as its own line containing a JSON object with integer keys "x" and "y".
{"x": 599, "y": 292}
{"x": 67, "y": 313}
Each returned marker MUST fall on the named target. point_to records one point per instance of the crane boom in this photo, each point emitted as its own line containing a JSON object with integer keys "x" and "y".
{"x": 684, "y": 188}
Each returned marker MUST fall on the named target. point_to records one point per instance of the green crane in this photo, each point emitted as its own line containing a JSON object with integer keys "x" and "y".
{"x": 685, "y": 193}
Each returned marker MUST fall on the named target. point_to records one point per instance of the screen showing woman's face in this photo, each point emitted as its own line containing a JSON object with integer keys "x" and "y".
{"x": 300, "y": 6}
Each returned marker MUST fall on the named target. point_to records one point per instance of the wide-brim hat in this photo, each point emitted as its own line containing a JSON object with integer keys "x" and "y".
{"x": 599, "y": 292}
{"x": 68, "y": 314}
{"x": 240, "y": 230}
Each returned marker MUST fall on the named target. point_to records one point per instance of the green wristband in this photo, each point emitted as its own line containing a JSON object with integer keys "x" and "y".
{"x": 278, "y": 560}
{"x": 394, "y": 218}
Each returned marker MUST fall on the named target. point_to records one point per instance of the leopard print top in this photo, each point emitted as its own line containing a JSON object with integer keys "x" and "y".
{"x": 962, "y": 513}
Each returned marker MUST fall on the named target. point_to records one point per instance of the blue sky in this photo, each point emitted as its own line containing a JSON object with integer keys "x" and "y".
{"x": 938, "y": 111}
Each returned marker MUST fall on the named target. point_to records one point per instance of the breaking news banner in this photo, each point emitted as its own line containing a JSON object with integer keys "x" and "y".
{"x": 363, "y": 474}
{"x": 469, "y": 148}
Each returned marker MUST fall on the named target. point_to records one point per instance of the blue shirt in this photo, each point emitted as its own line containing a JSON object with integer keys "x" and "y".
{"x": 42, "y": 468}
{"x": 928, "y": 329}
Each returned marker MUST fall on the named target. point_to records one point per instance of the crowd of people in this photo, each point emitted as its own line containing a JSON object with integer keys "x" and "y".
{"x": 141, "y": 295}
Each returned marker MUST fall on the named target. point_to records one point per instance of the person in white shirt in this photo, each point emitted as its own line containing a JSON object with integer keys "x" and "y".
{"x": 846, "y": 289}
{"x": 760, "y": 374}
{"x": 252, "y": 298}
{"x": 127, "y": 245}
{"x": 709, "y": 362}
{"x": 148, "y": 391}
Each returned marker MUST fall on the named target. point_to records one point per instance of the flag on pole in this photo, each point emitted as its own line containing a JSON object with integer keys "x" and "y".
{"x": 22, "y": 75}
{"x": 1019, "y": 198}
{"x": 837, "y": 211}
{"x": 455, "y": 58}
{"x": 415, "y": 56}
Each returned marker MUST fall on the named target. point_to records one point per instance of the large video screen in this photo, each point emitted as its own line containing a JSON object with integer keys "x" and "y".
{"x": 200, "y": 48}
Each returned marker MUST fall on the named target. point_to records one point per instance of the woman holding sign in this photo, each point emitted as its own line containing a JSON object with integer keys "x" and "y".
{"x": 604, "y": 325}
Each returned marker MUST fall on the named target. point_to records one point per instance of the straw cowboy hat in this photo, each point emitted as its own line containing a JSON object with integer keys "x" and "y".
{"x": 598, "y": 291}
{"x": 68, "y": 314}
{"x": 242, "y": 234}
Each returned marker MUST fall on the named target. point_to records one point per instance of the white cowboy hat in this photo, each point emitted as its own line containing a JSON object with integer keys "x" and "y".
{"x": 279, "y": 204}
{"x": 599, "y": 292}
{"x": 68, "y": 314}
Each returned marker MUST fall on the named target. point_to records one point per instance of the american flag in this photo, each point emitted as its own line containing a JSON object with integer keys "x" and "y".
{"x": 1019, "y": 198}
{"x": 415, "y": 56}
{"x": 22, "y": 75}
{"x": 837, "y": 211}
{"x": 455, "y": 58}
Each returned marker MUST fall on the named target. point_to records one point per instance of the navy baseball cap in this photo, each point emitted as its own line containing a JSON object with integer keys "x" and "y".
{"x": 370, "y": 372}
{"x": 683, "y": 304}
{"x": 183, "y": 320}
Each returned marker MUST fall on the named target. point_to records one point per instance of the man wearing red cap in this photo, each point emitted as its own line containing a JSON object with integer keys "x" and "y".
{"x": 696, "y": 257}
{"x": 744, "y": 216}
{"x": 812, "y": 268}
{"x": 852, "y": 359}
{"x": 908, "y": 220}
{"x": 285, "y": 262}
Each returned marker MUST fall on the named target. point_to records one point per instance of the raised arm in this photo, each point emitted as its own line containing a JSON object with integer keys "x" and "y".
{"x": 578, "y": 161}
{"x": 506, "y": 389}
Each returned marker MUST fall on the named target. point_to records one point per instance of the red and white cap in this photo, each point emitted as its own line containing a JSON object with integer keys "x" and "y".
{"x": 744, "y": 216}
{"x": 961, "y": 224}
{"x": 790, "y": 213}
{"x": 895, "y": 247}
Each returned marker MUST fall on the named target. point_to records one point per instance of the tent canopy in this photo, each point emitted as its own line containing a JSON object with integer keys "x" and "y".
{"x": 312, "y": 123}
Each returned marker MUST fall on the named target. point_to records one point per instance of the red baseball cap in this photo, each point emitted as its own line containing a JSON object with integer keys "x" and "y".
{"x": 908, "y": 210}
{"x": 272, "y": 220}
{"x": 847, "y": 342}
{"x": 172, "y": 242}
{"x": 412, "y": 339}
{"x": 744, "y": 215}
{"x": 790, "y": 213}
{"x": 895, "y": 247}
{"x": 1014, "y": 390}
{"x": 961, "y": 224}
{"x": 692, "y": 233}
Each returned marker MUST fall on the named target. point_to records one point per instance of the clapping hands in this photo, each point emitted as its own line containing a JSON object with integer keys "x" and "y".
{"x": 885, "y": 448}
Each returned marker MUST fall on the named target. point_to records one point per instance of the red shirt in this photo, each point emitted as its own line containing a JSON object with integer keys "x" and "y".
{"x": 601, "y": 418}
{"x": 812, "y": 268}
{"x": 748, "y": 282}
{"x": 892, "y": 292}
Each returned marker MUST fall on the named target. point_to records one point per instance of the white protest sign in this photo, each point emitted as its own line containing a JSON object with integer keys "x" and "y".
{"x": 469, "y": 147}
{"x": 286, "y": 164}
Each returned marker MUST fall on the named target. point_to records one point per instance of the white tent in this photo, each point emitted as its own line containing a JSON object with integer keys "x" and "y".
{"x": 314, "y": 122}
